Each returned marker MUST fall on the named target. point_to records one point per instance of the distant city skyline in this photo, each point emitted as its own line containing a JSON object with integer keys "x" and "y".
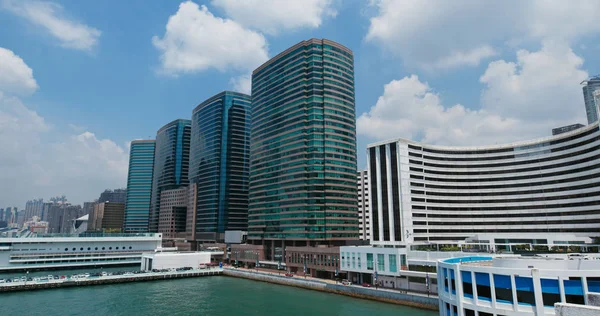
{"x": 74, "y": 102}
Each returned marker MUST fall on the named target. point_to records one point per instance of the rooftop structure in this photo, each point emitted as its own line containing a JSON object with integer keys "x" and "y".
{"x": 515, "y": 285}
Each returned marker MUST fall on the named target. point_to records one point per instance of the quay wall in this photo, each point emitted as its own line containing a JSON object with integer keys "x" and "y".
{"x": 31, "y": 285}
{"x": 387, "y": 296}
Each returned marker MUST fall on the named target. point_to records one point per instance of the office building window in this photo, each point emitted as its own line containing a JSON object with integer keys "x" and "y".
{"x": 393, "y": 266}
{"x": 369, "y": 261}
{"x": 380, "y": 262}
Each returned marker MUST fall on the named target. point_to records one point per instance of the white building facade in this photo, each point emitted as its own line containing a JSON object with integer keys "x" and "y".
{"x": 515, "y": 192}
{"x": 364, "y": 222}
{"x": 511, "y": 286}
{"x": 174, "y": 260}
{"x": 68, "y": 252}
{"x": 541, "y": 195}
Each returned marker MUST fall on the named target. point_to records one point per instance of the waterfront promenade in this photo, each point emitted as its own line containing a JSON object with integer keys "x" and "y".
{"x": 383, "y": 295}
{"x": 108, "y": 279}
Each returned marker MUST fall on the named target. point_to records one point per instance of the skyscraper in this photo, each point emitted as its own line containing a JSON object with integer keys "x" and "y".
{"x": 61, "y": 216}
{"x": 597, "y": 99}
{"x": 139, "y": 185}
{"x": 219, "y": 166}
{"x": 107, "y": 217}
{"x": 34, "y": 208}
{"x": 115, "y": 196}
{"x": 303, "y": 188}
{"x": 591, "y": 109}
{"x": 171, "y": 161}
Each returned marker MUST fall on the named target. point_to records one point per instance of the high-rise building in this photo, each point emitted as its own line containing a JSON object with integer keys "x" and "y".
{"x": 591, "y": 109}
{"x": 115, "y": 196}
{"x": 173, "y": 212}
{"x": 597, "y": 99}
{"x": 303, "y": 149}
{"x": 88, "y": 207}
{"x": 139, "y": 185}
{"x": 171, "y": 161}
{"x": 107, "y": 217}
{"x": 364, "y": 221}
{"x": 34, "y": 208}
{"x": 61, "y": 216}
{"x": 20, "y": 218}
{"x": 219, "y": 166}
{"x": 536, "y": 191}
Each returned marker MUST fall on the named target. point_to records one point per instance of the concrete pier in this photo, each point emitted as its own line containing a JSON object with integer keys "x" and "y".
{"x": 110, "y": 279}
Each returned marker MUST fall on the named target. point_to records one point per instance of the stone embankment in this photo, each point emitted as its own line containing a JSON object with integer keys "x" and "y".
{"x": 382, "y": 295}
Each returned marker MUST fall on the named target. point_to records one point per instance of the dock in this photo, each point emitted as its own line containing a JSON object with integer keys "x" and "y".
{"x": 109, "y": 279}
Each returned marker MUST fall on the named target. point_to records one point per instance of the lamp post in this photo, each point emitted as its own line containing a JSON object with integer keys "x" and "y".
{"x": 427, "y": 279}
{"x": 256, "y": 265}
{"x": 375, "y": 278}
{"x": 304, "y": 266}
{"x": 336, "y": 274}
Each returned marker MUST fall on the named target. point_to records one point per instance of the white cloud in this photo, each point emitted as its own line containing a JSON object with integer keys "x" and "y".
{"x": 15, "y": 75}
{"x": 471, "y": 58}
{"x": 409, "y": 108}
{"x": 274, "y": 16}
{"x": 37, "y": 159}
{"x": 196, "y": 40}
{"x": 542, "y": 85}
{"x": 49, "y": 15}
{"x": 242, "y": 83}
{"x": 521, "y": 100}
{"x": 427, "y": 33}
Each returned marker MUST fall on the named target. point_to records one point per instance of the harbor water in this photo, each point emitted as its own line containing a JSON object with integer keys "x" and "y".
{"x": 218, "y": 295}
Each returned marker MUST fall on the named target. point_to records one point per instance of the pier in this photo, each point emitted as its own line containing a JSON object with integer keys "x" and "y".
{"x": 109, "y": 279}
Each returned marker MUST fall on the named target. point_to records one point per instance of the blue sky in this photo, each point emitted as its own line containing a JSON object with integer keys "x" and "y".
{"x": 80, "y": 79}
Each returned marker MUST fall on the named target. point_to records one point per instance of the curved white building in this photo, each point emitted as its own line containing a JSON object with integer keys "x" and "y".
{"x": 544, "y": 191}
{"x": 510, "y": 286}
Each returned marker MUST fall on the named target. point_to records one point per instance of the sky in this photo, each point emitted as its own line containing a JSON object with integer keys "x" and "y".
{"x": 80, "y": 79}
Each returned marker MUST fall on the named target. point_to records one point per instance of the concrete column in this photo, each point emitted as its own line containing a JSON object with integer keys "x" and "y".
{"x": 459, "y": 290}
{"x": 537, "y": 291}
{"x": 585, "y": 289}
{"x": 388, "y": 169}
{"x": 379, "y": 194}
{"x": 514, "y": 293}
{"x": 273, "y": 250}
{"x": 493, "y": 290}
{"x": 474, "y": 286}
{"x": 561, "y": 288}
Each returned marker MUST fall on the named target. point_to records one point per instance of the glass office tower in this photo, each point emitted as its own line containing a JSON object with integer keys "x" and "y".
{"x": 139, "y": 185}
{"x": 171, "y": 162}
{"x": 303, "y": 148}
{"x": 589, "y": 87}
{"x": 219, "y": 166}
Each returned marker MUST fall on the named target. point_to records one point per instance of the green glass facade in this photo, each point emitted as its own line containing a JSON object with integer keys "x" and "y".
{"x": 219, "y": 166}
{"x": 139, "y": 185}
{"x": 303, "y": 146}
{"x": 171, "y": 163}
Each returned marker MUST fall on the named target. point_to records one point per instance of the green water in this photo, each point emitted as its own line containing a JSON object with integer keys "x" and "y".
{"x": 194, "y": 296}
